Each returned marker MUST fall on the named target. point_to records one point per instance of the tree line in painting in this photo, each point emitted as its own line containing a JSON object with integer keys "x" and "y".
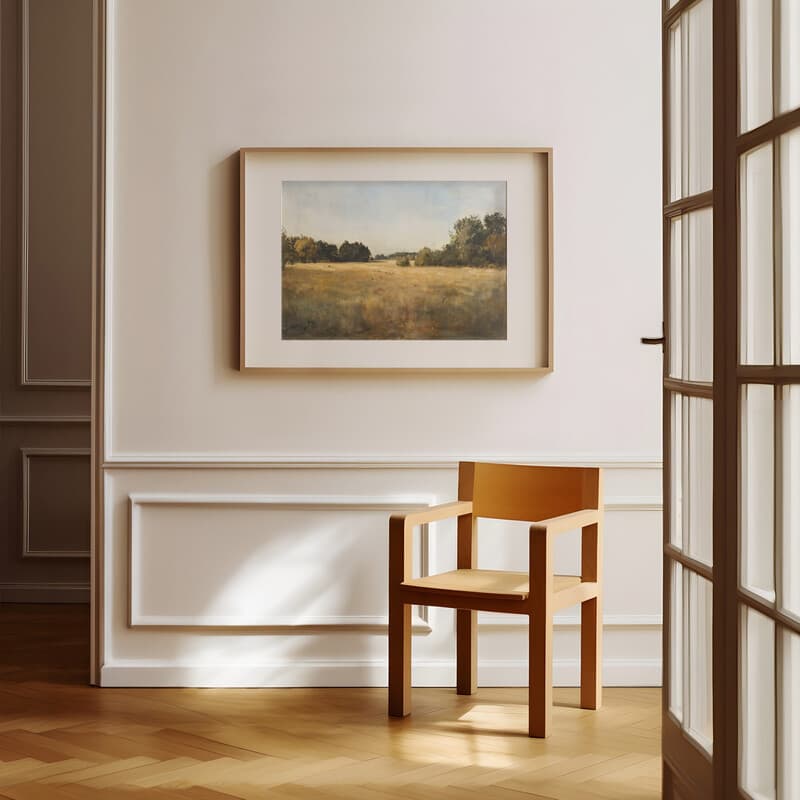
{"x": 306, "y": 250}
{"x": 474, "y": 242}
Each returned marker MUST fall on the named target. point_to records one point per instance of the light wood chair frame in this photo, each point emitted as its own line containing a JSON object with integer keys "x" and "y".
{"x": 540, "y": 603}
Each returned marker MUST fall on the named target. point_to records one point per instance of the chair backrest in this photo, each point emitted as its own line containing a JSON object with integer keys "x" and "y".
{"x": 528, "y": 493}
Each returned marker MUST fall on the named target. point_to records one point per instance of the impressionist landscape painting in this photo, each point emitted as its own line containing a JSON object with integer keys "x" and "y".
{"x": 394, "y": 260}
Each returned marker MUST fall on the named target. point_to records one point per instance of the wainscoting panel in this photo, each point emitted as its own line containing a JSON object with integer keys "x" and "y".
{"x": 240, "y": 576}
{"x": 44, "y": 505}
{"x": 56, "y": 159}
{"x": 45, "y": 299}
{"x": 55, "y": 502}
{"x": 273, "y": 571}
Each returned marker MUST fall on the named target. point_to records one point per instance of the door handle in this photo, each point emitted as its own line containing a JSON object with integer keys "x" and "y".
{"x": 654, "y": 339}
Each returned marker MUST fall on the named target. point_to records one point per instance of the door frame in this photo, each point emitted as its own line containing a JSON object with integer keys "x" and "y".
{"x": 99, "y": 150}
{"x": 726, "y": 470}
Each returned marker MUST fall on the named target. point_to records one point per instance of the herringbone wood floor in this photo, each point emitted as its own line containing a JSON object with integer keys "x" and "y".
{"x": 62, "y": 740}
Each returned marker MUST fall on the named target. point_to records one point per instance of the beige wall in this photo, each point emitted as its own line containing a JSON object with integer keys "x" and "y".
{"x": 45, "y": 292}
{"x": 263, "y": 497}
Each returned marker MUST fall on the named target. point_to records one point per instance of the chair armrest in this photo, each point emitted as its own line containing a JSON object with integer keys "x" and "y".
{"x": 445, "y": 511}
{"x": 567, "y": 522}
{"x": 401, "y": 527}
{"x": 540, "y": 551}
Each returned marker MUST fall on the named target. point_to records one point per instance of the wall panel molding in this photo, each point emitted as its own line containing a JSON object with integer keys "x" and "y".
{"x": 26, "y": 419}
{"x": 27, "y": 454}
{"x": 653, "y": 503}
{"x": 339, "y": 503}
{"x": 44, "y": 592}
{"x": 209, "y": 461}
{"x": 300, "y": 503}
{"x": 487, "y": 620}
{"x": 26, "y": 380}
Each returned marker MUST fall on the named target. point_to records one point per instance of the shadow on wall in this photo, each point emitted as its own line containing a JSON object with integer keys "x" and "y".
{"x": 223, "y": 261}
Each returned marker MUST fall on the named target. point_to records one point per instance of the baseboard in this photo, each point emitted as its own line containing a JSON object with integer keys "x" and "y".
{"x": 616, "y": 672}
{"x": 566, "y": 672}
{"x": 44, "y": 593}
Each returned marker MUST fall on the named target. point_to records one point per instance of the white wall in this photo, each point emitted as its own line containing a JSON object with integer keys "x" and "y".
{"x": 192, "y": 81}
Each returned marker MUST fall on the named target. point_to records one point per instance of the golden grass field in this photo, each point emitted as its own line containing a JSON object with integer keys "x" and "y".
{"x": 379, "y": 300}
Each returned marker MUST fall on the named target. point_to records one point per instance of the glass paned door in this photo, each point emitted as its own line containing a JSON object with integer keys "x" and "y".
{"x": 688, "y": 397}
{"x": 768, "y": 384}
{"x": 731, "y": 399}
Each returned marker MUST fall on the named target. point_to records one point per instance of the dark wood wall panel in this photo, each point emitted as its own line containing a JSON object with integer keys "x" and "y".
{"x": 45, "y": 298}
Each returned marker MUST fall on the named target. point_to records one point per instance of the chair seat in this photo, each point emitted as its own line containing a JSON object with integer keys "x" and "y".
{"x": 499, "y": 585}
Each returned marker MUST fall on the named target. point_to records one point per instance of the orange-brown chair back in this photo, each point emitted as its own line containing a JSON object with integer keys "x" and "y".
{"x": 528, "y": 493}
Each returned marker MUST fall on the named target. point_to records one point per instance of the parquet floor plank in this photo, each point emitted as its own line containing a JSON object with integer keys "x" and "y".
{"x": 217, "y": 748}
{"x": 7, "y": 755}
{"x": 32, "y": 791}
{"x": 37, "y": 746}
{"x": 99, "y": 770}
{"x": 216, "y": 771}
{"x": 38, "y": 770}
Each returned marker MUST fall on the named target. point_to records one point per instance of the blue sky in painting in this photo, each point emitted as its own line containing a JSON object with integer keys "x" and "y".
{"x": 387, "y": 216}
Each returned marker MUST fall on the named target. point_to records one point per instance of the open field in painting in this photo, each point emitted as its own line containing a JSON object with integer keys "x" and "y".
{"x": 380, "y": 300}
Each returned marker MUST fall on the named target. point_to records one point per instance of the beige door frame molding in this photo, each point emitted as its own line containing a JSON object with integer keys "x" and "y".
{"x": 99, "y": 151}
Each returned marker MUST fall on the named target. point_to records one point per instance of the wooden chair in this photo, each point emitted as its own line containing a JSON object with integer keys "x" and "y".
{"x": 555, "y": 500}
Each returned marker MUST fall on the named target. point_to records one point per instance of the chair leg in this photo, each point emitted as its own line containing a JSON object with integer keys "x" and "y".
{"x": 591, "y": 653}
{"x": 540, "y": 673}
{"x": 399, "y": 659}
{"x": 466, "y": 652}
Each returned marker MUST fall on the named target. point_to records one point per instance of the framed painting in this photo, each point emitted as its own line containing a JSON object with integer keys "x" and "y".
{"x": 396, "y": 258}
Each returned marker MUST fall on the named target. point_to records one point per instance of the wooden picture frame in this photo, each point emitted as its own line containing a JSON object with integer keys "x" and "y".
{"x": 292, "y": 315}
